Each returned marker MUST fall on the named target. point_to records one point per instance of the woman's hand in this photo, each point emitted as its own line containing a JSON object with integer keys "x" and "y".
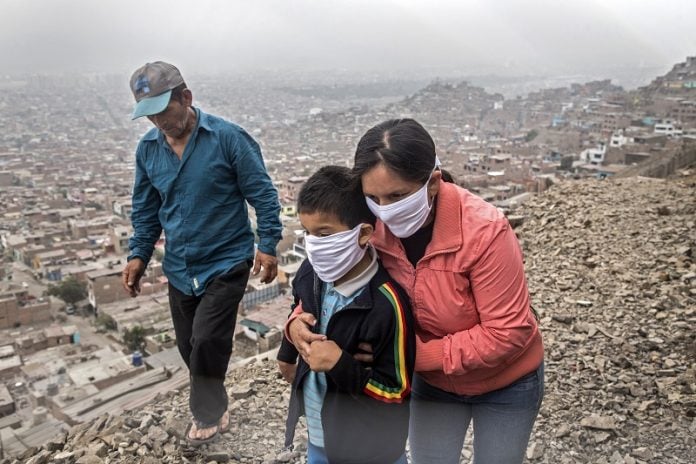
{"x": 323, "y": 356}
{"x": 366, "y": 355}
{"x": 300, "y": 334}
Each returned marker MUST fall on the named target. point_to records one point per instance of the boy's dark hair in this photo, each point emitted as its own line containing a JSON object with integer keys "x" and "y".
{"x": 334, "y": 190}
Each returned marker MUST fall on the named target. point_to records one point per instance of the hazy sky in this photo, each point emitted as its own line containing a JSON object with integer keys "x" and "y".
{"x": 530, "y": 36}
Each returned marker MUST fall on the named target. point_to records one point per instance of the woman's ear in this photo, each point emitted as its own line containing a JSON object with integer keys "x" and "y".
{"x": 434, "y": 183}
{"x": 366, "y": 231}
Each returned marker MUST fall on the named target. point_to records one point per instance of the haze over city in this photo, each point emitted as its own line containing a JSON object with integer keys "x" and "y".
{"x": 448, "y": 37}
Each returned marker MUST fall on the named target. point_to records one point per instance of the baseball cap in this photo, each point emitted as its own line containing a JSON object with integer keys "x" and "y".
{"x": 152, "y": 86}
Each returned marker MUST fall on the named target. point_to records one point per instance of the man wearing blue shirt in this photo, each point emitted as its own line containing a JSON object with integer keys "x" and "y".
{"x": 194, "y": 174}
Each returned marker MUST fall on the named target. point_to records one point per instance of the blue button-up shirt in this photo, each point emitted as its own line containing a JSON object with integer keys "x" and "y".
{"x": 199, "y": 201}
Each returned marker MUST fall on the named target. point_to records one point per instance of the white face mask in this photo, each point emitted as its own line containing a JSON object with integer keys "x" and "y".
{"x": 336, "y": 254}
{"x": 407, "y": 215}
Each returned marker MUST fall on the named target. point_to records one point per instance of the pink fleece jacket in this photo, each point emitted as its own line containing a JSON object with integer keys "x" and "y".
{"x": 476, "y": 332}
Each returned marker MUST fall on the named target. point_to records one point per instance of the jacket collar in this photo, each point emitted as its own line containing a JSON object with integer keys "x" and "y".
{"x": 447, "y": 230}
{"x": 356, "y": 283}
{"x": 307, "y": 283}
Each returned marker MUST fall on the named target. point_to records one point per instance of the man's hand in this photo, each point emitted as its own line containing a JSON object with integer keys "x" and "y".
{"x": 130, "y": 278}
{"x": 287, "y": 370}
{"x": 301, "y": 336}
{"x": 323, "y": 355}
{"x": 268, "y": 263}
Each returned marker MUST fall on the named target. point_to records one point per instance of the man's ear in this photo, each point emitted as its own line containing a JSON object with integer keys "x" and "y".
{"x": 188, "y": 97}
{"x": 366, "y": 231}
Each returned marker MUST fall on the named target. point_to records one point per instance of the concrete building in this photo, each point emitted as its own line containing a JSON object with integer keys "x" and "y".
{"x": 59, "y": 335}
{"x": 618, "y": 139}
{"x": 668, "y": 128}
{"x": 291, "y": 187}
{"x": 594, "y": 155}
{"x": 16, "y": 311}
{"x": 119, "y": 238}
{"x": 6, "y": 178}
{"x": 261, "y": 329}
{"x": 104, "y": 286}
{"x": 160, "y": 341}
{"x": 10, "y": 363}
{"x": 106, "y": 368}
{"x": 685, "y": 111}
{"x": 147, "y": 311}
{"x": 7, "y": 403}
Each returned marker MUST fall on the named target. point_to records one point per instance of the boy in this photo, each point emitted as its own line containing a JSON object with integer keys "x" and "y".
{"x": 356, "y": 413}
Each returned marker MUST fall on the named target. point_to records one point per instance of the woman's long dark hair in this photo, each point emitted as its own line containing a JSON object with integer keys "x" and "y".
{"x": 403, "y": 145}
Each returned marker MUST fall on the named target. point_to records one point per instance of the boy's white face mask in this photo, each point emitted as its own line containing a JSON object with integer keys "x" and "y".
{"x": 336, "y": 254}
{"x": 407, "y": 215}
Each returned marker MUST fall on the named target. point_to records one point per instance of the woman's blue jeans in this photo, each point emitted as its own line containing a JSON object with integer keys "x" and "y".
{"x": 503, "y": 421}
{"x": 316, "y": 455}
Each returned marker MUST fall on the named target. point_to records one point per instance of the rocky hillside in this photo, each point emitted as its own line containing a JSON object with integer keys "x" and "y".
{"x": 611, "y": 267}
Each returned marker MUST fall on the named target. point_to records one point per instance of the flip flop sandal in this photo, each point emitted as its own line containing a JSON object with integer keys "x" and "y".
{"x": 225, "y": 429}
{"x": 195, "y": 442}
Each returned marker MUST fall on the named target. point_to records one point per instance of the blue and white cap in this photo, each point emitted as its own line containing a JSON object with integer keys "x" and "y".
{"x": 152, "y": 87}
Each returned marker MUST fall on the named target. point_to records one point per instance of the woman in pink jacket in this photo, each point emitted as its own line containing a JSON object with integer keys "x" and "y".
{"x": 479, "y": 352}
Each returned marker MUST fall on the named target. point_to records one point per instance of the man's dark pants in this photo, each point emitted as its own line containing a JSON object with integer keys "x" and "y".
{"x": 204, "y": 327}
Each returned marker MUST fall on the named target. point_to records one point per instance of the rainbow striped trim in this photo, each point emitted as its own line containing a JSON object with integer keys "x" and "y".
{"x": 377, "y": 390}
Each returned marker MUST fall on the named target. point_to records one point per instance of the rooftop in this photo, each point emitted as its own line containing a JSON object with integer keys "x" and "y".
{"x": 107, "y": 364}
{"x": 6, "y": 351}
{"x": 103, "y": 273}
{"x": 5, "y": 397}
{"x": 10, "y": 363}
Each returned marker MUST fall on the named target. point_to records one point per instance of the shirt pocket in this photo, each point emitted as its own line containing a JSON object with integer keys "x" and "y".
{"x": 162, "y": 173}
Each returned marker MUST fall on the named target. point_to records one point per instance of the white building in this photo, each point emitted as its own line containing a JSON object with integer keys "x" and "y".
{"x": 594, "y": 155}
{"x": 618, "y": 139}
{"x": 669, "y": 128}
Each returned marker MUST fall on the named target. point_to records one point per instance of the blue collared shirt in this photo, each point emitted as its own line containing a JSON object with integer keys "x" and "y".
{"x": 200, "y": 202}
{"x": 333, "y": 300}
{"x": 314, "y": 387}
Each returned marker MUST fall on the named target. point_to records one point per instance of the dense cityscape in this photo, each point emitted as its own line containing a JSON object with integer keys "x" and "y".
{"x": 74, "y": 344}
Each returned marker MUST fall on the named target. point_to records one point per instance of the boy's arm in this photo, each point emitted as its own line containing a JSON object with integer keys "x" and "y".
{"x": 287, "y": 352}
{"x": 287, "y": 358}
{"x": 388, "y": 379}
